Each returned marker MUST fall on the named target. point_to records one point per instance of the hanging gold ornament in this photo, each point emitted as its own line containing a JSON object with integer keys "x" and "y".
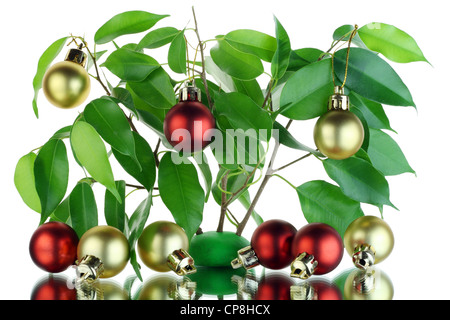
{"x": 66, "y": 84}
{"x": 338, "y": 133}
{"x": 103, "y": 252}
{"x": 368, "y": 240}
{"x": 163, "y": 246}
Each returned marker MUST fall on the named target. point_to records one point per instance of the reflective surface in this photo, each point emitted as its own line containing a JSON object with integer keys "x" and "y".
{"x": 222, "y": 283}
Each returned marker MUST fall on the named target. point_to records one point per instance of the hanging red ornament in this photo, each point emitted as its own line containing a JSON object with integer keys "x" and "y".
{"x": 270, "y": 246}
{"x": 188, "y": 125}
{"x": 53, "y": 246}
{"x": 318, "y": 248}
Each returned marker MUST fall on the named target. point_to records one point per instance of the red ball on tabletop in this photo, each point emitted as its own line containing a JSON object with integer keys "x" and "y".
{"x": 53, "y": 246}
{"x": 272, "y": 242}
{"x": 188, "y": 124}
{"x": 274, "y": 287}
{"x": 321, "y": 241}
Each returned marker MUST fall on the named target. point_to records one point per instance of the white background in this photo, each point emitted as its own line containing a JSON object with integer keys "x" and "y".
{"x": 418, "y": 264}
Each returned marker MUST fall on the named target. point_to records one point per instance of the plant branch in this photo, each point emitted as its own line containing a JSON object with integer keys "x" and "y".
{"x": 155, "y": 153}
{"x": 203, "y": 73}
{"x": 293, "y": 162}
{"x": 223, "y": 207}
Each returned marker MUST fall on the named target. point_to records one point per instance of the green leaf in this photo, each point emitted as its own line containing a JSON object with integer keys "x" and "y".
{"x": 115, "y": 210}
{"x": 251, "y": 89}
{"x": 62, "y": 133}
{"x": 366, "y": 139}
{"x": 156, "y": 90}
{"x": 372, "y": 77}
{"x": 90, "y": 151}
{"x": 202, "y": 162}
{"x": 386, "y": 155}
{"x": 372, "y": 111}
{"x": 83, "y": 208}
{"x": 44, "y": 62}
{"x": 359, "y": 180}
{"x": 97, "y": 56}
{"x": 129, "y": 22}
{"x": 110, "y": 122}
{"x": 130, "y": 65}
{"x": 306, "y": 93}
{"x": 245, "y": 200}
{"x": 157, "y": 38}
{"x": 302, "y": 57}
{"x": 280, "y": 60}
{"x": 51, "y": 171}
{"x": 182, "y": 193}
{"x": 393, "y": 43}
{"x": 235, "y": 182}
{"x": 238, "y": 64}
{"x": 253, "y": 42}
{"x": 177, "y": 54}
{"x": 224, "y": 80}
{"x": 25, "y": 182}
{"x": 62, "y": 212}
{"x": 343, "y": 33}
{"x": 136, "y": 225}
{"x": 243, "y": 113}
{"x": 325, "y": 203}
{"x": 145, "y": 172}
{"x": 124, "y": 97}
{"x": 286, "y": 139}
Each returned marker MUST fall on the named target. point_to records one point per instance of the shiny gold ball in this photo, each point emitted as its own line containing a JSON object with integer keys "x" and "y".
{"x": 338, "y": 134}
{"x": 159, "y": 288}
{"x": 373, "y": 231}
{"x": 158, "y": 241}
{"x": 66, "y": 84}
{"x": 107, "y": 244}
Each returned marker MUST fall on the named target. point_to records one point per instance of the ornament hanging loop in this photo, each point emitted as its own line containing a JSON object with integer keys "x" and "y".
{"x": 352, "y": 35}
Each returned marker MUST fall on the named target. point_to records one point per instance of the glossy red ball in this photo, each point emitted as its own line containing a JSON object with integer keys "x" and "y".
{"x": 323, "y": 242}
{"x": 53, "y": 246}
{"x": 272, "y": 242}
{"x": 187, "y": 126}
{"x": 324, "y": 290}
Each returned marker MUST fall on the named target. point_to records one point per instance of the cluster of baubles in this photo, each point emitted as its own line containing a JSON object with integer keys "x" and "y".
{"x": 103, "y": 251}
{"x": 316, "y": 248}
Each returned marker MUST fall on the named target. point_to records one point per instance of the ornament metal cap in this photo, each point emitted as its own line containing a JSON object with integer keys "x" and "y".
{"x": 77, "y": 55}
{"x": 246, "y": 258}
{"x": 338, "y": 101}
{"x": 181, "y": 262}
{"x": 364, "y": 256}
{"x": 89, "y": 269}
{"x": 190, "y": 93}
{"x": 303, "y": 266}
{"x": 365, "y": 281}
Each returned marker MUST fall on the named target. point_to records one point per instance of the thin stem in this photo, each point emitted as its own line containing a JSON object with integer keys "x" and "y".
{"x": 285, "y": 180}
{"x": 293, "y": 162}
{"x": 203, "y": 73}
{"x": 223, "y": 208}
{"x": 155, "y": 153}
{"x": 135, "y": 186}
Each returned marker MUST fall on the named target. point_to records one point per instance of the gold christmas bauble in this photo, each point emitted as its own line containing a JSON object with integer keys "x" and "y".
{"x": 371, "y": 231}
{"x": 66, "y": 84}
{"x": 158, "y": 241}
{"x": 159, "y": 288}
{"x": 107, "y": 244}
{"x": 338, "y": 134}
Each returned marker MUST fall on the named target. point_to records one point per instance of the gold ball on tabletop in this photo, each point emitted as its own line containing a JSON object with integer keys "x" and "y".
{"x": 158, "y": 241}
{"x": 370, "y": 284}
{"x": 371, "y": 231}
{"x": 338, "y": 134}
{"x": 66, "y": 84}
{"x": 107, "y": 244}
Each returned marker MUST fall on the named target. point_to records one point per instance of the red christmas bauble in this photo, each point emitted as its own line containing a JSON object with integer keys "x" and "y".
{"x": 53, "y": 288}
{"x": 272, "y": 242}
{"x": 274, "y": 287}
{"x": 323, "y": 242}
{"x": 187, "y": 126}
{"x": 53, "y": 246}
